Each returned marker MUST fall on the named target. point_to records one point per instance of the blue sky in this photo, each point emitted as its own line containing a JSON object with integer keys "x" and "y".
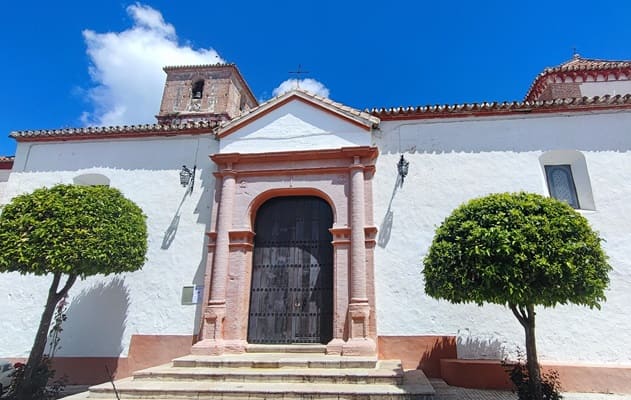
{"x": 77, "y": 62}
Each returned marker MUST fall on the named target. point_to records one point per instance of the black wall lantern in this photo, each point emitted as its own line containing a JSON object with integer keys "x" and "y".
{"x": 402, "y": 167}
{"x": 187, "y": 177}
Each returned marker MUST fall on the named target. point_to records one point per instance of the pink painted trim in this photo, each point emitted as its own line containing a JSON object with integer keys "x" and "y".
{"x": 367, "y": 152}
{"x": 490, "y": 374}
{"x": 6, "y": 164}
{"x": 287, "y": 192}
{"x": 261, "y": 177}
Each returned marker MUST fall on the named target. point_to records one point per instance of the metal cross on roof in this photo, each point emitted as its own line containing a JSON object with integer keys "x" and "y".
{"x": 575, "y": 54}
{"x": 299, "y": 71}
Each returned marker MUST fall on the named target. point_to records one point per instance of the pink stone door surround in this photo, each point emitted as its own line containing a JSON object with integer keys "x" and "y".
{"x": 343, "y": 178}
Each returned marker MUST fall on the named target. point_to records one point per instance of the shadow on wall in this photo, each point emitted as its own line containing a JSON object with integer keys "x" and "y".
{"x": 429, "y": 363}
{"x": 169, "y": 233}
{"x": 203, "y": 208}
{"x": 204, "y": 212}
{"x": 385, "y": 229}
{"x": 96, "y": 321}
{"x": 480, "y": 347}
{"x": 418, "y": 352}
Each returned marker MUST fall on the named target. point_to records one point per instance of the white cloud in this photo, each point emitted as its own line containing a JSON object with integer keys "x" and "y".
{"x": 127, "y": 68}
{"x": 308, "y": 84}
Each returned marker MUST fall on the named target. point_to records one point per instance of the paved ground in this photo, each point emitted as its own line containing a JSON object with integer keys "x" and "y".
{"x": 446, "y": 392}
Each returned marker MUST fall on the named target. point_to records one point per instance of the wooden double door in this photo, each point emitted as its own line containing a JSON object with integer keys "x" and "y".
{"x": 291, "y": 298}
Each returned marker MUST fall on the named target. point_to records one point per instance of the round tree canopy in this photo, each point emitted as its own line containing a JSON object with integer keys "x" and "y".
{"x": 516, "y": 249}
{"x": 78, "y": 230}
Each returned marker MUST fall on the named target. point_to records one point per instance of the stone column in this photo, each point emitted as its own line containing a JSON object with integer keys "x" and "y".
{"x": 359, "y": 342}
{"x": 215, "y": 312}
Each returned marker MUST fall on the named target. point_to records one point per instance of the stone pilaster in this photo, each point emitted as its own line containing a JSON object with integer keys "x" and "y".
{"x": 359, "y": 342}
{"x": 341, "y": 254}
{"x": 215, "y": 311}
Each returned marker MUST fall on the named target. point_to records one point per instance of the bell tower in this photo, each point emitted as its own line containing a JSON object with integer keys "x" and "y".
{"x": 204, "y": 92}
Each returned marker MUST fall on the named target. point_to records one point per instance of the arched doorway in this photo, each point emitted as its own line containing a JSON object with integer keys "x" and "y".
{"x": 291, "y": 298}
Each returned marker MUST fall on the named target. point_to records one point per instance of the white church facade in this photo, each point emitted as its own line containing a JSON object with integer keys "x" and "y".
{"x": 297, "y": 227}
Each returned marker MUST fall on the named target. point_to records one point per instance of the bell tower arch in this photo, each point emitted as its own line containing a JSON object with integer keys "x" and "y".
{"x": 204, "y": 92}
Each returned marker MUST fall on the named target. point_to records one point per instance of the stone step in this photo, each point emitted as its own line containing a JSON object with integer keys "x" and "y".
{"x": 385, "y": 373}
{"x": 275, "y": 375}
{"x": 415, "y": 386}
{"x": 286, "y": 348}
{"x": 275, "y": 360}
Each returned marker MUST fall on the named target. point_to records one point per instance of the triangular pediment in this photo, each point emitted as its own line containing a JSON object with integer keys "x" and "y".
{"x": 297, "y": 120}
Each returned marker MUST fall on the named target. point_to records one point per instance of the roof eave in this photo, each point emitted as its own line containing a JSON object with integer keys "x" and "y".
{"x": 579, "y": 104}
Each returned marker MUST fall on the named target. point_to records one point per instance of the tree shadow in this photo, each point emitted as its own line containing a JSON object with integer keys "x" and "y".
{"x": 429, "y": 363}
{"x": 96, "y": 321}
{"x": 480, "y": 348}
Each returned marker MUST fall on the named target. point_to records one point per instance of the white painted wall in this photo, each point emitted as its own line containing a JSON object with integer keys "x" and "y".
{"x": 600, "y": 88}
{"x": 451, "y": 161}
{"x": 4, "y": 177}
{"x": 454, "y": 160}
{"x": 295, "y": 126}
{"x": 105, "y": 312}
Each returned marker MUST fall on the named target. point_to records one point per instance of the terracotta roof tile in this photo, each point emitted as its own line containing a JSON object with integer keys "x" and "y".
{"x": 579, "y": 67}
{"x": 197, "y": 67}
{"x": 497, "y": 108}
{"x": 116, "y": 131}
{"x": 579, "y": 63}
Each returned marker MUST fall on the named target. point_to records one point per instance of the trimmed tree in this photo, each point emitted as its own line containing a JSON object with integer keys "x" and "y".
{"x": 520, "y": 250}
{"x": 69, "y": 232}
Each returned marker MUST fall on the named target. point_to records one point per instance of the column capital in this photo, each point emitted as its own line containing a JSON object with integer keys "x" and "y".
{"x": 241, "y": 239}
{"x": 225, "y": 173}
{"x": 357, "y": 166}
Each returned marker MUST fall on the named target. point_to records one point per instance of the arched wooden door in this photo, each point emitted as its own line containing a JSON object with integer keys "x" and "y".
{"x": 291, "y": 299}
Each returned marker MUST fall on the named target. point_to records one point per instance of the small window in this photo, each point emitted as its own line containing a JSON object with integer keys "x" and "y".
{"x": 566, "y": 178}
{"x": 198, "y": 89}
{"x": 561, "y": 184}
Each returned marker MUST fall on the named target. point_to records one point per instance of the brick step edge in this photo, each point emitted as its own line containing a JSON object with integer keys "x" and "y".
{"x": 282, "y": 363}
{"x": 371, "y": 376}
{"x": 271, "y": 389}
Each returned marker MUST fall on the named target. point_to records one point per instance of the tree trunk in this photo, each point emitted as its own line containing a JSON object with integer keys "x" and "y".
{"x": 39, "y": 345}
{"x": 534, "y": 372}
{"x": 527, "y": 319}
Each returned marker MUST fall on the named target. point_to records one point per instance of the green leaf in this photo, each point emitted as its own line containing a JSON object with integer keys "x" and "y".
{"x": 82, "y": 230}
{"x": 516, "y": 248}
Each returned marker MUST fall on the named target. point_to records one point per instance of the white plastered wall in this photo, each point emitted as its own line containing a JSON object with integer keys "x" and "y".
{"x": 104, "y": 312}
{"x": 295, "y": 126}
{"x": 4, "y": 177}
{"x": 601, "y": 88}
{"x": 454, "y": 160}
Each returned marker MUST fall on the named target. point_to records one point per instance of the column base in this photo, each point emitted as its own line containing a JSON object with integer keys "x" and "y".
{"x": 359, "y": 347}
{"x": 334, "y": 347}
{"x": 207, "y": 347}
{"x": 358, "y": 317}
{"x": 211, "y": 347}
